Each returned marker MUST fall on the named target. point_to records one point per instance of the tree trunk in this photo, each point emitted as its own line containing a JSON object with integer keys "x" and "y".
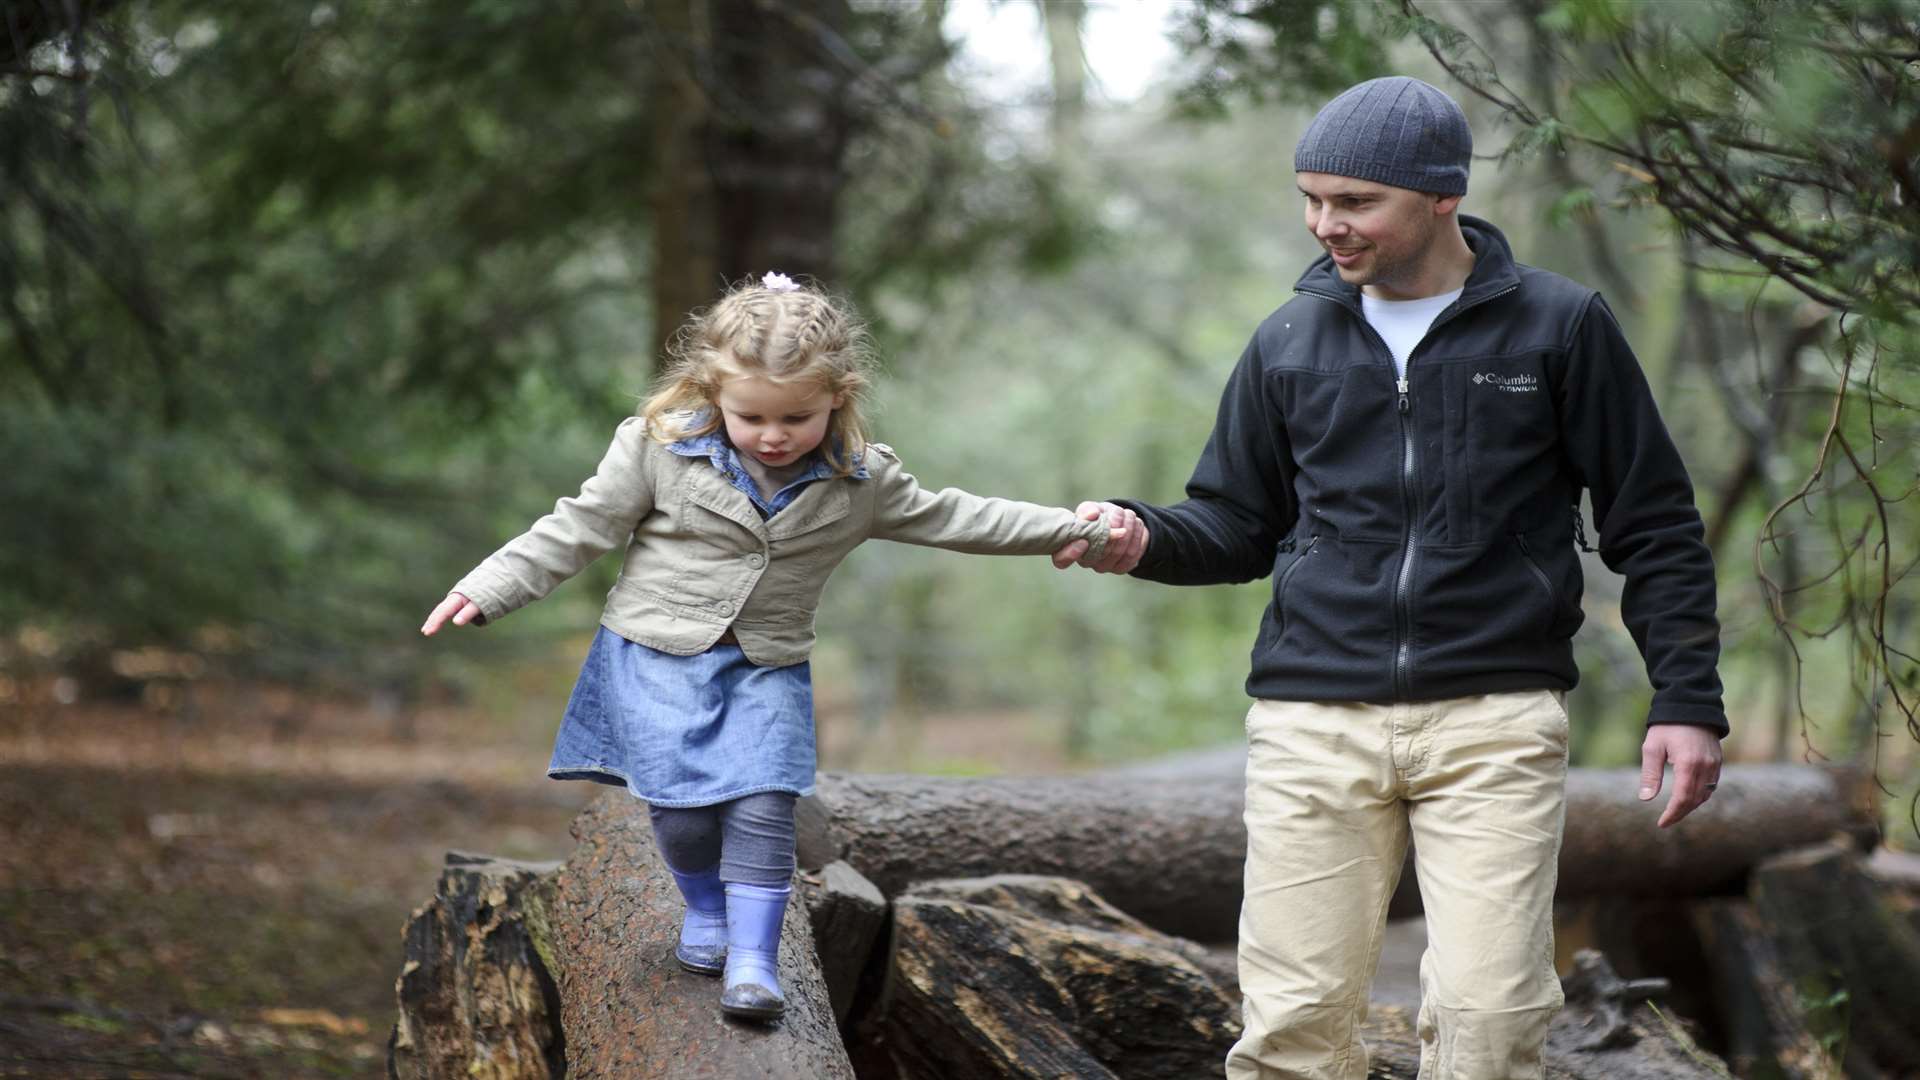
{"x": 1167, "y": 846}
{"x": 749, "y": 144}
{"x": 476, "y": 995}
{"x": 685, "y": 263}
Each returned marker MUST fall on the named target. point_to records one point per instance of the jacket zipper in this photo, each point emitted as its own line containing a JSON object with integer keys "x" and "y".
{"x": 1403, "y": 588}
{"x": 1403, "y": 584}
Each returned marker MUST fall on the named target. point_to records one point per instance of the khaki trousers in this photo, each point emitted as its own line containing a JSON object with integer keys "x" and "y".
{"x": 1333, "y": 790}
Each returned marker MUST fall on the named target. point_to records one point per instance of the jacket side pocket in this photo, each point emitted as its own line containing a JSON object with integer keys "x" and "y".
{"x": 1546, "y": 583}
{"x": 1280, "y": 589}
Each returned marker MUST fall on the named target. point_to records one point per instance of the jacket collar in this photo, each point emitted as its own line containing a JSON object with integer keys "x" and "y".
{"x": 715, "y": 447}
{"x": 726, "y": 459}
{"x": 1494, "y": 271}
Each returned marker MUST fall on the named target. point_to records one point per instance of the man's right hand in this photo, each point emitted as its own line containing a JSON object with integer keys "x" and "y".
{"x": 1123, "y": 552}
{"x": 456, "y": 608}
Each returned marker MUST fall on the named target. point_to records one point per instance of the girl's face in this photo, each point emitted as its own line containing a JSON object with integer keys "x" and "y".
{"x": 777, "y": 423}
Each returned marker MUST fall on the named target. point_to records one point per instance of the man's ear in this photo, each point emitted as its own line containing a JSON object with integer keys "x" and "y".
{"x": 1446, "y": 204}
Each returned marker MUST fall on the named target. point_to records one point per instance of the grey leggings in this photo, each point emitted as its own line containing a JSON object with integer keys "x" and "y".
{"x": 749, "y": 838}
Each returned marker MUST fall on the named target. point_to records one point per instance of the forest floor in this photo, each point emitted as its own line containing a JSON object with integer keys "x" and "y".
{"x": 221, "y": 892}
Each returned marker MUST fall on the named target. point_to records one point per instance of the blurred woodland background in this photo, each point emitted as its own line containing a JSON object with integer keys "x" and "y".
{"x": 305, "y": 307}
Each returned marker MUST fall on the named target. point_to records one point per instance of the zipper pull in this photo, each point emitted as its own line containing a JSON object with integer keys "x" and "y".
{"x": 1402, "y": 384}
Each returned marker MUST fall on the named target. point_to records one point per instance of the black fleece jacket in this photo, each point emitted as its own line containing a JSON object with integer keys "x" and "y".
{"x": 1420, "y": 534}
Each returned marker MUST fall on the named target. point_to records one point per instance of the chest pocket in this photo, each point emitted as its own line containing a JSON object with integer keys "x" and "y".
{"x": 712, "y": 544}
{"x": 1502, "y": 446}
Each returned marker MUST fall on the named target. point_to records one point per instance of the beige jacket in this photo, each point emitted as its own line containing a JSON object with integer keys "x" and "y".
{"x": 700, "y": 558}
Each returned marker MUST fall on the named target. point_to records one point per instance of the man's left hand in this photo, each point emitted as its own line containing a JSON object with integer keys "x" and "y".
{"x": 1694, "y": 753}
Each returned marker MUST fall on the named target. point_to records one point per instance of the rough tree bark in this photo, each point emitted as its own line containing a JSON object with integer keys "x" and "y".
{"x": 476, "y": 994}
{"x": 625, "y": 1004}
{"x": 1021, "y": 976}
{"x": 1166, "y": 846}
{"x": 1818, "y": 964}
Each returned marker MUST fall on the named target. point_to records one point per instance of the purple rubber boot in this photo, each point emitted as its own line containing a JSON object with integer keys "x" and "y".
{"x": 754, "y": 915}
{"x": 703, "y": 933}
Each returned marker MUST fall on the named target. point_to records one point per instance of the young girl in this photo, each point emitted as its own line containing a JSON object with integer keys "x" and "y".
{"x": 743, "y": 482}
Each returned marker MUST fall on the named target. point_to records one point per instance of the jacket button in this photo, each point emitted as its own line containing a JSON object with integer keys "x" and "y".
{"x": 756, "y": 560}
{"x": 723, "y": 608}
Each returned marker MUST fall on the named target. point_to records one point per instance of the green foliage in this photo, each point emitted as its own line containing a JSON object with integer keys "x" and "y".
{"x": 269, "y": 269}
{"x": 1280, "y": 50}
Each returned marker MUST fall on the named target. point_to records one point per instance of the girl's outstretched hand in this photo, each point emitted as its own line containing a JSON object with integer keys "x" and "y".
{"x": 455, "y": 607}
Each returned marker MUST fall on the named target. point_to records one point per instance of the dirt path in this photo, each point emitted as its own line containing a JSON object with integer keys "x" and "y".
{"x": 224, "y": 898}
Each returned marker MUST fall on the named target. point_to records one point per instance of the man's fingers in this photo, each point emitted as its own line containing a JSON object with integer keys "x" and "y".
{"x": 1680, "y": 804}
{"x": 1693, "y": 785}
{"x": 1653, "y": 759}
{"x": 1088, "y": 510}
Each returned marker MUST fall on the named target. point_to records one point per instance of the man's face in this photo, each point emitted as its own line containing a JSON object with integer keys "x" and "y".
{"x": 1378, "y": 235}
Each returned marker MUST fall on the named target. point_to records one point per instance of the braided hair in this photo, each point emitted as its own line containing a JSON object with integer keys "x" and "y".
{"x": 787, "y": 335}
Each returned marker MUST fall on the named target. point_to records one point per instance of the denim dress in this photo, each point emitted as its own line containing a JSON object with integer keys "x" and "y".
{"x": 682, "y": 731}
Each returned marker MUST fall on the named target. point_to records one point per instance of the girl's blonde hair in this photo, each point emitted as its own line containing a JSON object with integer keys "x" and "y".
{"x": 784, "y": 335}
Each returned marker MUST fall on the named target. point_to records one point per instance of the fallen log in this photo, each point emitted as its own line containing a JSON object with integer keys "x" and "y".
{"x": 1816, "y": 968}
{"x": 626, "y": 1006}
{"x": 1166, "y": 845}
{"x": 518, "y": 970}
{"x": 1029, "y": 977}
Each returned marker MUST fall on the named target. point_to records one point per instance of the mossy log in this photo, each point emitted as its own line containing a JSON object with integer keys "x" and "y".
{"x": 1816, "y": 967}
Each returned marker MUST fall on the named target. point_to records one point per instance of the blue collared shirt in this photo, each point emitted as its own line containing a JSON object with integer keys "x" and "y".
{"x": 716, "y": 448}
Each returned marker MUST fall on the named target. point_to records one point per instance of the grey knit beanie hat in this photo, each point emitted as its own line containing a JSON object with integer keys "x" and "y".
{"x": 1395, "y": 130}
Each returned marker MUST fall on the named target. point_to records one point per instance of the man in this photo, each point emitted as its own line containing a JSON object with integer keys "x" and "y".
{"x": 1402, "y": 447}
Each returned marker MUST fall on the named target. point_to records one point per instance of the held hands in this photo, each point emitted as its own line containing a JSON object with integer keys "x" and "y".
{"x": 1126, "y": 542}
{"x": 1694, "y": 753}
{"x": 456, "y": 608}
